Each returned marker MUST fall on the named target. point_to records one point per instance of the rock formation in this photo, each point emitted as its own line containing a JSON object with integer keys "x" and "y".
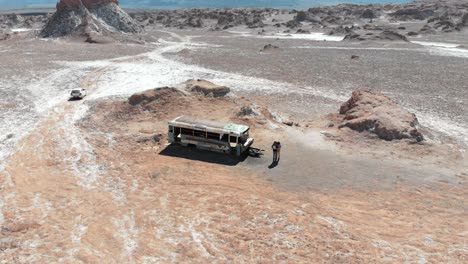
{"x": 269, "y": 47}
{"x": 88, "y": 17}
{"x": 249, "y": 111}
{"x": 340, "y": 30}
{"x": 377, "y": 113}
{"x": 157, "y": 94}
{"x": 388, "y": 35}
{"x": 206, "y": 88}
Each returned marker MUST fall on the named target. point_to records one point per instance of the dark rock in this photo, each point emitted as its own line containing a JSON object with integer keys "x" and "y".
{"x": 249, "y": 111}
{"x": 353, "y": 37}
{"x": 412, "y": 13}
{"x": 269, "y": 47}
{"x": 302, "y": 31}
{"x": 426, "y": 29}
{"x": 292, "y": 24}
{"x": 392, "y": 36}
{"x": 464, "y": 21}
{"x": 300, "y": 16}
{"x": 341, "y": 31}
{"x": 4, "y": 36}
{"x": 368, "y": 13}
{"x": 354, "y": 57}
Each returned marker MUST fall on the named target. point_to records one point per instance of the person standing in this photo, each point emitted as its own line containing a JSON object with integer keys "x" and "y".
{"x": 275, "y": 153}
{"x": 278, "y": 151}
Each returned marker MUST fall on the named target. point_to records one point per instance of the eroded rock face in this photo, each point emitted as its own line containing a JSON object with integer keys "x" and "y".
{"x": 374, "y": 112}
{"x": 87, "y": 17}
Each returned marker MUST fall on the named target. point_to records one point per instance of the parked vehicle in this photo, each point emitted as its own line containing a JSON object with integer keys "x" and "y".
{"x": 210, "y": 135}
{"x": 79, "y": 93}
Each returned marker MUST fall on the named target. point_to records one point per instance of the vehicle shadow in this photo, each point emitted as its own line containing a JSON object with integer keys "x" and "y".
{"x": 192, "y": 153}
{"x": 71, "y": 99}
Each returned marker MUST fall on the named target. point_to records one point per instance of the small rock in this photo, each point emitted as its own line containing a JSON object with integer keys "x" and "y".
{"x": 207, "y": 88}
{"x": 302, "y": 31}
{"x": 269, "y": 47}
{"x": 155, "y": 175}
{"x": 157, "y": 138}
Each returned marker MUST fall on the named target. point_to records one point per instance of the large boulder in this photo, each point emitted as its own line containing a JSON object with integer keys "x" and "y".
{"x": 206, "y": 88}
{"x": 374, "y": 112}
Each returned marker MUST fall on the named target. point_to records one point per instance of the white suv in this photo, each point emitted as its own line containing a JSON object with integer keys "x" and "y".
{"x": 79, "y": 93}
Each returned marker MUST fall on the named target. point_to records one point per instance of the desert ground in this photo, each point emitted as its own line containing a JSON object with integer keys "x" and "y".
{"x": 95, "y": 180}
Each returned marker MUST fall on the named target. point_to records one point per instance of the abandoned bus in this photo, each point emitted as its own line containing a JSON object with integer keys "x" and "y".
{"x": 210, "y": 135}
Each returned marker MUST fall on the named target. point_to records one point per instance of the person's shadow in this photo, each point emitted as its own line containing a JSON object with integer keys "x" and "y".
{"x": 273, "y": 164}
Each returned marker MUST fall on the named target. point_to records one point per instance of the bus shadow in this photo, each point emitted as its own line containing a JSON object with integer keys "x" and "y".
{"x": 192, "y": 153}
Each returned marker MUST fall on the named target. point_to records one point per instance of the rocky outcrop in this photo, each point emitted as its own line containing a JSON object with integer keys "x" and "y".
{"x": 341, "y": 31}
{"x": 413, "y": 13}
{"x": 86, "y": 17}
{"x": 206, "y": 88}
{"x": 464, "y": 21}
{"x": 302, "y": 31}
{"x": 249, "y": 111}
{"x": 376, "y": 113}
{"x": 392, "y": 36}
{"x": 369, "y": 14}
{"x": 33, "y": 20}
{"x": 387, "y": 35}
{"x": 164, "y": 94}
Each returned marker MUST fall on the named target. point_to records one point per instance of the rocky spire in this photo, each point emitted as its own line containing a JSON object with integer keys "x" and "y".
{"x": 81, "y": 17}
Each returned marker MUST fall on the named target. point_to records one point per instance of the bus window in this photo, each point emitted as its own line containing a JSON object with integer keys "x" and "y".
{"x": 232, "y": 139}
{"x": 225, "y": 138}
{"x": 199, "y": 133}
{"x": 213, "y": 136}
{"x": 185, "y": 131}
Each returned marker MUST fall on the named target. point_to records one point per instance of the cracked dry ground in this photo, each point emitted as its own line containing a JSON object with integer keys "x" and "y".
{"x": 114, "y": 200}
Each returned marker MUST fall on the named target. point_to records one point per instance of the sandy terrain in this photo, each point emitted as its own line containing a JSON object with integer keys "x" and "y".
{"x": 85, "y": 181}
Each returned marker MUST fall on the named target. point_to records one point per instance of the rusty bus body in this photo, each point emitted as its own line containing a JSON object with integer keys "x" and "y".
{"x": 210, "y": 135}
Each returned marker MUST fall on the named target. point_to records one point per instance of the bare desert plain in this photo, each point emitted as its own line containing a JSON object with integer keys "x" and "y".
{"x": 95, "y": 180}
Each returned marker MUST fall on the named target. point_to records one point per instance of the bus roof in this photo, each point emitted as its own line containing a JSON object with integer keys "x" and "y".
{"x": 208, "y": 125}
